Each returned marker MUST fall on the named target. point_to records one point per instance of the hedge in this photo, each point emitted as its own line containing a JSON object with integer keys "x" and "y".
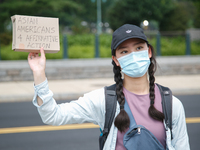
{"x": 83, "y": 46}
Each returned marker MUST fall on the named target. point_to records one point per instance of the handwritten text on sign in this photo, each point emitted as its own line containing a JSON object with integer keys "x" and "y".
{"x": 36, "y": 35}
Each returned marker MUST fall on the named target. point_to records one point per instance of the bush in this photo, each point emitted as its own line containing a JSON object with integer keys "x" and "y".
{"x": 173, "y": 46}
{"x": 84, "y": 39}
{"x": 79, "y": 51}
{"x": 195, "y": 48}
{"x": 105, "y": 45}
{"x": 8, "y": 54}
{"x": 83, "y": 46}
{"x": 5, "y": 38}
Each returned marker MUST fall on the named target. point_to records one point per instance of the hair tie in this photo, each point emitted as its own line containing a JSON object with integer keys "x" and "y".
{"x": 121, "y": 107}
{"x": 152, "y": 102}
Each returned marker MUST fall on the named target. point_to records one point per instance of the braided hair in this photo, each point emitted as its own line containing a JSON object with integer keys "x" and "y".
{"x": 122, "y": 120}
{"x": 153, "y": 112}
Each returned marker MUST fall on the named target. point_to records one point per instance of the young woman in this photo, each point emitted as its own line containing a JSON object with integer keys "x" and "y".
{"x": 133, "y": 56}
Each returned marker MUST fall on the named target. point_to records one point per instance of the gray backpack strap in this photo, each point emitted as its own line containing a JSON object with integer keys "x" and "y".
{"x": 166, "y": 95}
{"x": 110, "y": 104}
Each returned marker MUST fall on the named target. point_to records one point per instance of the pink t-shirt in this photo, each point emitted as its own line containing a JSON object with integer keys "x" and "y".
{"x": 139, "y": 105}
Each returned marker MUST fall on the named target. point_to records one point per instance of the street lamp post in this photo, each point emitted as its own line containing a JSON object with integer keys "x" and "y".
{"x": 99, "y": 30}
{"x": 98, "y": 27}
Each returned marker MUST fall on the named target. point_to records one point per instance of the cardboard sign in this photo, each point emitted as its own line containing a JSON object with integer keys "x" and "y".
{"x": 31, "y": 33}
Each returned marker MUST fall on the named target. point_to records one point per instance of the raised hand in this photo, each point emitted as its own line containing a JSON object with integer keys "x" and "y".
{"x": 37, "y": 64}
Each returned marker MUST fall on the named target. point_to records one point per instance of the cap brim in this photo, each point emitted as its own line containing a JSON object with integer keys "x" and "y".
{"x": 131, "y": 37}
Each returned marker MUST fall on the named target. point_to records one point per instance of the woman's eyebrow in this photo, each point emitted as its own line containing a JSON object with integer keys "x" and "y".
{"x": 121, "y": 47}
{"x": 141, "y": 42}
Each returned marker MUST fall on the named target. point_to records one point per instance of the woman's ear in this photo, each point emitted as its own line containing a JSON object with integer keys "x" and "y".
{"x": 150, "y": 52}
{"x": 115, "y": 60}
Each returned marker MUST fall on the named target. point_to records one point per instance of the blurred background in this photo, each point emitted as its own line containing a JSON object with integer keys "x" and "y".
{"x": 172, "y": 26}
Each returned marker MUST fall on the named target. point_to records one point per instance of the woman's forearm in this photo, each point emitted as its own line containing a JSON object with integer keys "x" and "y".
{"x": 37, "y": 64}
{"x": 39, "y": 77}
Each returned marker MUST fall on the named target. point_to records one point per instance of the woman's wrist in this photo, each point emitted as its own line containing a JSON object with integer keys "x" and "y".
{"x": 39, "y": 77}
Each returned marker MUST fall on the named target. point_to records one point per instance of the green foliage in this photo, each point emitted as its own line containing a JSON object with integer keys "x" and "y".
{"x": 5, "y": 38}
{"x": 180, "y": 18}
{"x": 197, "y": 15}
{"x": 173, "y": 46}
{"x": 81, "y": 52}
{"x": 8, "y": 54}
{"x": 84, "y": 39}
{"x": 134, "y": 12}
{"x": 65, "y": 10}
{"x": 70, "y": 13}
{"x": 152, "y": 41}
{"x": 195, "y": 48}
{"x": 82, "y": 46}
{"x": 105, "y": 40}
{"x": 105, "y": 45}
{"x": 169, "y": 14}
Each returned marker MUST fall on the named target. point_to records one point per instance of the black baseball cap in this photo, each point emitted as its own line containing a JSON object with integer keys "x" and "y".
{"x": 126, "y": 32}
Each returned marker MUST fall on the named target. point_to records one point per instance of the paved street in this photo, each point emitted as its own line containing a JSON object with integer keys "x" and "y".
{"x": 24, "y": 114}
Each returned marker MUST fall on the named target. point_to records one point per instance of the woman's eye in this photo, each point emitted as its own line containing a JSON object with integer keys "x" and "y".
{"x": 139, "y": 48}
{"x": 124, "y": 52}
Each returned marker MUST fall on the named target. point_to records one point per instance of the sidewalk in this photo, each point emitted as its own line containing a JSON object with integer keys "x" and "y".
{"x": 73, "y": 88}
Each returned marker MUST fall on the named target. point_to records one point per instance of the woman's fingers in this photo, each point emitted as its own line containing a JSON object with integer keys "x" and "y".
{"x": 42, "y": 52}
{"x": 37, "y": 63}
{"x": 33, "y": 55}
{"x": 30, "y": 55}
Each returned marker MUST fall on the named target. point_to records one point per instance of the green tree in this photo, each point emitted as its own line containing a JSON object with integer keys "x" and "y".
{"x": 134, "y": 11}
{"x": 90, "y": 11}
{"x": 180, "y": 18}
{"x": 65, "y": 10}
{"x": 197, "y": 15}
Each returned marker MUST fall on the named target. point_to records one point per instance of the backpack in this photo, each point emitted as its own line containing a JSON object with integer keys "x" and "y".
{"x": 111, "y": 103}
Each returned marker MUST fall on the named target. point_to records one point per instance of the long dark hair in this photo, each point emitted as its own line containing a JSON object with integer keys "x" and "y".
{"x": 122, "y": 120}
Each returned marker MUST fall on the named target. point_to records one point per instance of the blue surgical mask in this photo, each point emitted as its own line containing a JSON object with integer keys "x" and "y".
{"x": 135, "y": 64}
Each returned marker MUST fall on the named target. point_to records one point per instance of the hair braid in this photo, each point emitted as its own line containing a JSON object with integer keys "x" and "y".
{"x": 153, "y": 112}
{"x": 122, "y": 120}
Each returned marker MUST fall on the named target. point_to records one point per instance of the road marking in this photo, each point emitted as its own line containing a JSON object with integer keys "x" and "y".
{"x": 47, "y": 128}
{"x": 65, "y": 127}
{"x": 193, "y": 120}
